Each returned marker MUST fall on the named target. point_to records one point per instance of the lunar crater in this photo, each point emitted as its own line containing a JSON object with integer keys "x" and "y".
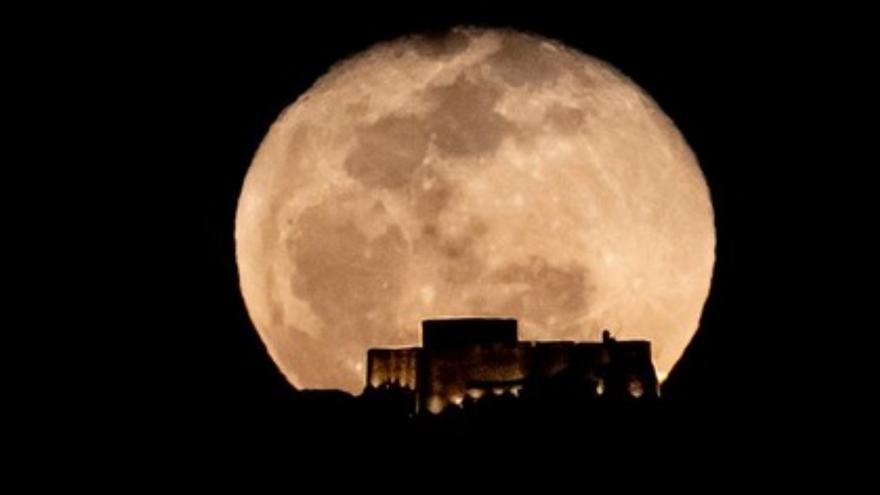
{"x": 441, "y": 43}
{"x": 564, "y": 118}
{"x": 522, "y": 60}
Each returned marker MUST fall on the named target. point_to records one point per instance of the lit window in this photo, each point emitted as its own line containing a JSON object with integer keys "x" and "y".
{"x": 636, "y": 389}
{"x": 435, "y": 404}
{"x": 475, "y": 393}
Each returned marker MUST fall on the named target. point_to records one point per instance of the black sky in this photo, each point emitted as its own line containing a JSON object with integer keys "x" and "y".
{"x": 209, "y": 84}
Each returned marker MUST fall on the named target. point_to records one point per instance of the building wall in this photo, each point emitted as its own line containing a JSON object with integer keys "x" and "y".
{"x": 447, "y": 375}
{"x": 393, "y": 367}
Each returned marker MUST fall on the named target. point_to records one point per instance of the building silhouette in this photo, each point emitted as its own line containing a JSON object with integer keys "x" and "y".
{"x": 465, "y": 361}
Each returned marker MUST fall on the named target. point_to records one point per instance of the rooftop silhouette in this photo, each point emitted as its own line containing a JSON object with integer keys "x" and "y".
{"x": 465, "y": 362}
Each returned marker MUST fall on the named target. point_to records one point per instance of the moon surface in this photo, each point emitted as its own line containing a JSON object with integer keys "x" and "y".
{"x": 481, "y": 172}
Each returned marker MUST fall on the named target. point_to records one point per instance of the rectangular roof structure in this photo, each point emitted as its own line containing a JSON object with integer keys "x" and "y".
{"x": 463, "y": 332}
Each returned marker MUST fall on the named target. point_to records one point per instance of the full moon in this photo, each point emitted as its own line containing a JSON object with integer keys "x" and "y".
{"x": 478, "y": 173}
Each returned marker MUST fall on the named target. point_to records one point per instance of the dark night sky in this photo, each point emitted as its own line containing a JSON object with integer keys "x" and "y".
{"x": 138, "y": 128}
{"x": 211, "y": 85}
